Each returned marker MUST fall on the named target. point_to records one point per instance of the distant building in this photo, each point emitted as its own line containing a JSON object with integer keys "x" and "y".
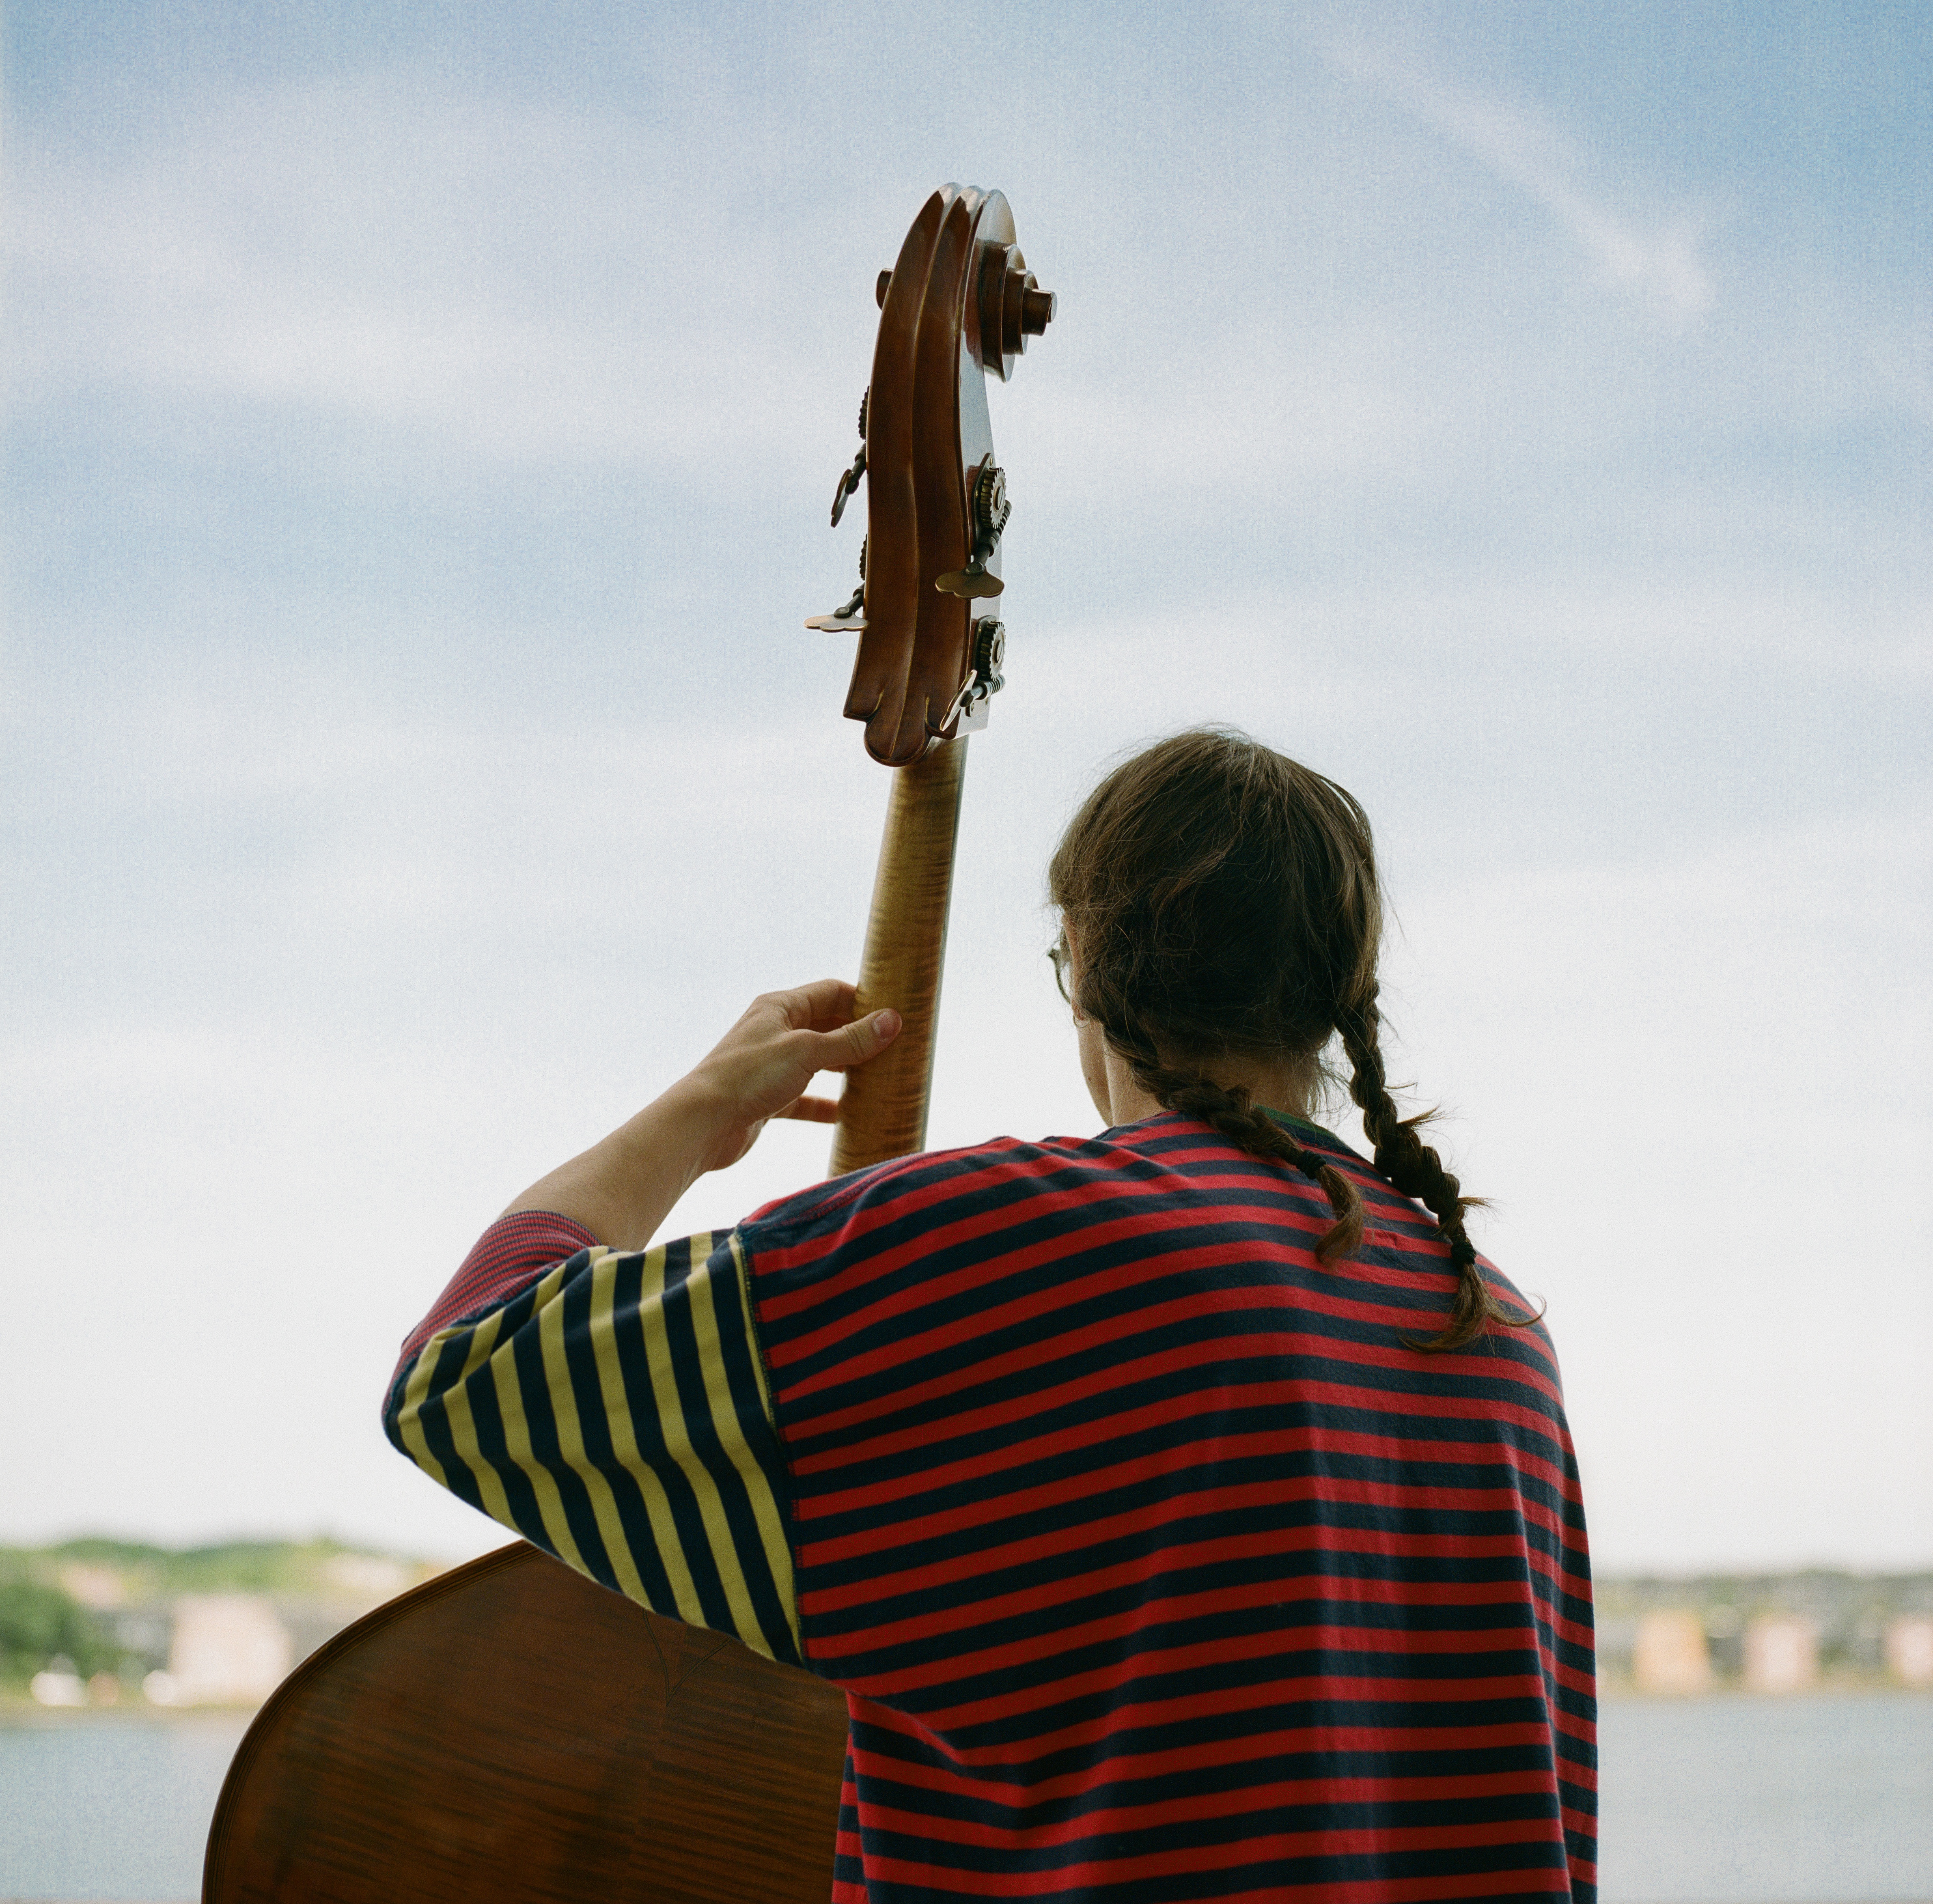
{"x": 228, "y": 1649}
{"x": 100, "y": 1588}
{"x": 1670, "y": 1654}
{"x": 1781, "y": 1653}
{"x": 1851, "y": 1616}
{"x": 1909, "y": 1649}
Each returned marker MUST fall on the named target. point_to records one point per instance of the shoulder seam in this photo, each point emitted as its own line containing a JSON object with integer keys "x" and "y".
{"x": 755, "y": 1327}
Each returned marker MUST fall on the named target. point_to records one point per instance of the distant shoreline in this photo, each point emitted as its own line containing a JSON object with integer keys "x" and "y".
{"x": 19, "y": 1713}
{"x": 23, "y": 1714}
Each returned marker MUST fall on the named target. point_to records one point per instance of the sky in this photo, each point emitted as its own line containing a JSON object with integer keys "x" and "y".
{"x": 419, "y": 428}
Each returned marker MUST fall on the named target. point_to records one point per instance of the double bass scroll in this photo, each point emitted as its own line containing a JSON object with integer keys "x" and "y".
{"x": 958, "y": 304}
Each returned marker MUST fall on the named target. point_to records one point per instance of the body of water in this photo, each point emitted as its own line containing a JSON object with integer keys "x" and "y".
{"x": 104, "y": 1807}
{"x": 1827, "y": 1799}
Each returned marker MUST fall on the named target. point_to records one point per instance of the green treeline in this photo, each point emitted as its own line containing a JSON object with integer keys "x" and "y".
{"x": 146, "y": 1572}
{"x": 68, "y": 1605}
{"x": 40, "y": 1623}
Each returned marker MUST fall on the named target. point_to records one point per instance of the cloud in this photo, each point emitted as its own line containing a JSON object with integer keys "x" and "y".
{"x": 1660, "y": 264}
{"x": 491, "y": 276}
{"x": 495, "y": 280}
{"x": 488, "y": 278}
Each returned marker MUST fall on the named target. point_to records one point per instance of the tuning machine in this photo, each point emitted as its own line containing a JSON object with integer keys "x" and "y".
{"x": 849, "y": 483}
{"x": 984, "y": 679}
{"x": 850, "y": 615}
{"x": 990, "y": 510}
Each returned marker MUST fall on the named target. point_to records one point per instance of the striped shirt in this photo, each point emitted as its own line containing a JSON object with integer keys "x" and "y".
{"x": 1154, "y": 1564}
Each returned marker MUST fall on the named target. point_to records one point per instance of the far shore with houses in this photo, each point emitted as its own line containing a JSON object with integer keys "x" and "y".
{"x": 96, "y": 1624}
{"x": 1768, "y": 1633}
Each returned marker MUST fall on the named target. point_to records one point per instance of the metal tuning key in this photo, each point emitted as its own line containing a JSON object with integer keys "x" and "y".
{"x": 849, "y": 486}
{"x": 850, "y": 615}
{"x": 983, "y": 683}
{"x": 991, "y": 509}
{"x": 849, "y": 483}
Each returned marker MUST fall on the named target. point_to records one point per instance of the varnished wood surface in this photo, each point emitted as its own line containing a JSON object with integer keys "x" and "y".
{"x": 513, "y": 1732}
{"x": 877, "y": 695}
{"x": 883, "y": 1113}
{"x": 950, "y": 393}
{"x": 926, "y": 430}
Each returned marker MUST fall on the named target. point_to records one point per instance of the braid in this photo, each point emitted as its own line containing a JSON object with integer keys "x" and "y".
{"x": 1194, "y": 1094}
{"x": 1225, "y": 899}
{"x": 1416, "y": 1170}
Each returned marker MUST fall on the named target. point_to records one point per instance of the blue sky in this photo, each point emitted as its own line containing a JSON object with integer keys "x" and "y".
{"x": 420, "y": 426}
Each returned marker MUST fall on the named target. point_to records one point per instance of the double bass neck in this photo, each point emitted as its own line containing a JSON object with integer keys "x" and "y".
{"x": 882, "y": 1113}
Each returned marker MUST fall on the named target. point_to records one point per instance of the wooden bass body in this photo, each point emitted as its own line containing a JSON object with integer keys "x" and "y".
{"x": 512, "y": 1733}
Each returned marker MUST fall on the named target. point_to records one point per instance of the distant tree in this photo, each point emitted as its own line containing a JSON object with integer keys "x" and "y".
{"x": 235, "y": 1566}
{"x": 38, "y": 1623}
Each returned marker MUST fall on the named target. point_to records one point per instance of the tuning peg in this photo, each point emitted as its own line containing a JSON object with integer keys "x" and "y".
{"x": 849, "y": 483}
{"x": 850, "y": 614}
{"x": 990, "y": 506}
{"x": 990, "y": 652}
{"x": 848, "y": 617}
{"x": 971, "y": 583}
{"x": 990, "y": 511}
{"x": 983, "y": 678}
{"x": 849, "y": 486}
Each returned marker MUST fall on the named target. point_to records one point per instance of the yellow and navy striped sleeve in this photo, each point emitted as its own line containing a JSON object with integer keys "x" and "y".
{"x": 610, "y": 1406}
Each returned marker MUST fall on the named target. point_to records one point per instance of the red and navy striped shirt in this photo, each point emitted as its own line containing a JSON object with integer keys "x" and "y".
{"x": 1155, "y": 1566}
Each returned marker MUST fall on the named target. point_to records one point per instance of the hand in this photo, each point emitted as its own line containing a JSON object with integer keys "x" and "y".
{"x": 760, "y": 1067}
{"x": 623, "y": 1186}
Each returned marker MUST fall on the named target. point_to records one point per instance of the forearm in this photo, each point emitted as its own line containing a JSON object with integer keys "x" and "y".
{"x": 622, "y": 1187}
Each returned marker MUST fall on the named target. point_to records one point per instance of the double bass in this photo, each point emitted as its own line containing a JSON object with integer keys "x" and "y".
{"x": 512, "y": 1730}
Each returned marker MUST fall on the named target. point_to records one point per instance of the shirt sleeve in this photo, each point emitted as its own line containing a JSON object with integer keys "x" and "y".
{"x": 611, "y": 1407}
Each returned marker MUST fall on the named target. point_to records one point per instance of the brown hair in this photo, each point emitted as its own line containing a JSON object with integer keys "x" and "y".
{"x": 1225, "y": 901}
